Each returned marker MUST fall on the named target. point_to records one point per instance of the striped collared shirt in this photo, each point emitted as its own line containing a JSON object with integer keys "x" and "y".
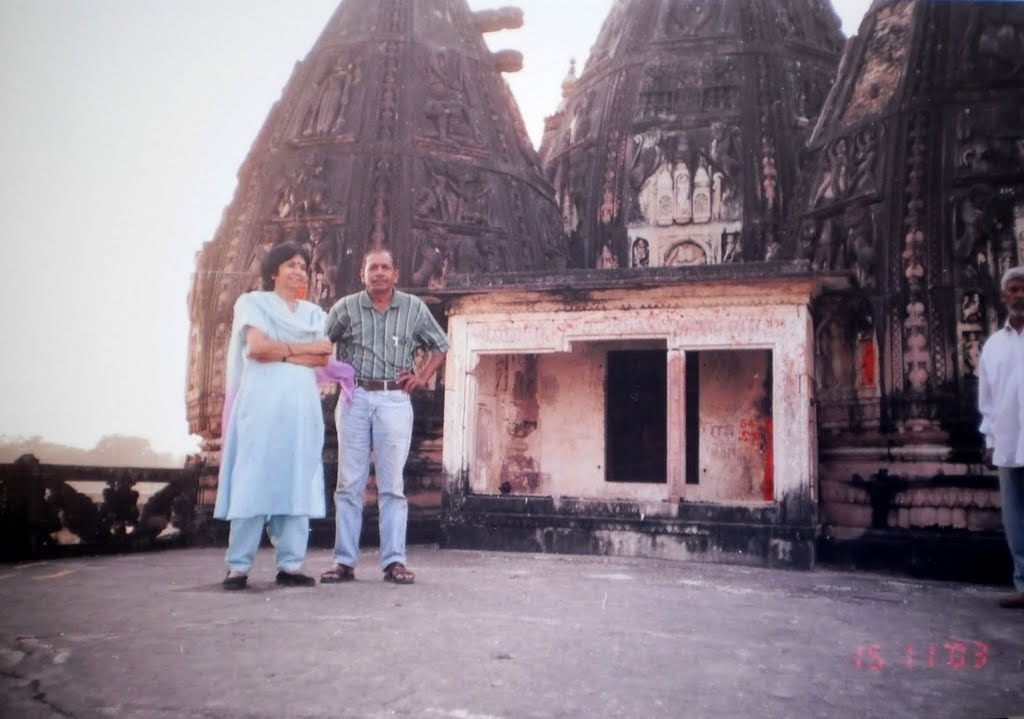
{"x": 378, "y": 344}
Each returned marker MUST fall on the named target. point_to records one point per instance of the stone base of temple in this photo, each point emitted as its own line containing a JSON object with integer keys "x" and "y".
{"x": 978, "y": 557}
{"x": 694, "y": 532}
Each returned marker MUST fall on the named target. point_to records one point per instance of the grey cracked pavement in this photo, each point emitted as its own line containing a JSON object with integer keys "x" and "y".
{"x": 484, "y": 635}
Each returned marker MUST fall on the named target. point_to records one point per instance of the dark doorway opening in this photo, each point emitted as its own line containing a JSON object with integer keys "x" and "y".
{"x": 636, "y": 441}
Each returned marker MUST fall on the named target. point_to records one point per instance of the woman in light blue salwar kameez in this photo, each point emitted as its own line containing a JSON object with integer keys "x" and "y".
{"x": 271, "y": 470}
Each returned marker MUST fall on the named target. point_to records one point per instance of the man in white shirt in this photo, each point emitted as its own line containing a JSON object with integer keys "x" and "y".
{"x": 1001, "y": 404}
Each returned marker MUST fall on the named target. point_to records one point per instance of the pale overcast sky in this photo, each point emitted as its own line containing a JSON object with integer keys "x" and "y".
{"x": 123, "y": 128}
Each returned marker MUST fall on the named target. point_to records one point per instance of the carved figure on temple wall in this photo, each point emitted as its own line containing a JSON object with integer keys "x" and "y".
{"x": 329, "y": 114}
{"x": 834, "y": 180}
{"x": 461, "y": 196}
{"x": 579, "y": 126}
{"x": 730, "y": 246}
{"x": 685, "y": 18}
{"x": 664, "y": 195}
{"x": 474, "y": 193}
{"x": 833, "y": 356}
{"x": 685, "y": 254}
{"x": 971, "y": 240}
{"x": 971, "y": 308}
{"x": 792, "y": 26}
{"x": 861, "y": 247}
{"x": 570, "y": 212}
{"x": 447, "y": 106}
{"x": 433, "y": 201}
{"x": 493, "y": 254}
{"x": 606, "y": 259}
{"x": 304, "y": 192}
{"x": 641, "y": 253}
{"x": 324, "y": 269}
{"x": 993, "y": 42}
{"x": 826, "y": 256}
{"x": 865, "y": 157}
{"x": 701, "y": 191}
{"x": 647, "y": 157}
{"x": 431, "y": 250}
{"x": 971, "y": 353}
{"x": 989, "y": 141}
{"x": 716, "y": 195}
{"x": 724, "y": 150}
{"x": 773, "y": 248}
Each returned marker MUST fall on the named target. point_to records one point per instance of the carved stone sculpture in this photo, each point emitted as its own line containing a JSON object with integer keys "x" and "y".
{"x": 919, "y": 195}
{"x": 690, "y": 169}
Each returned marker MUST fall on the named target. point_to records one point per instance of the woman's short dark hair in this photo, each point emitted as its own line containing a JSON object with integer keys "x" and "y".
{"x": 277, "y": 257}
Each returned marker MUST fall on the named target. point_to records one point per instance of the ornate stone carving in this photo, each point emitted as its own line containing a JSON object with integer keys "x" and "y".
{"x": 329, "y": 113}
{"x": 992, "y": 45}
{"x": 447, "y": 107}
{"x": 833, "y": 175}
{"x": 885, "y": 61}
{"x": 455, "y": 195}
{"x": 688, "y": 18}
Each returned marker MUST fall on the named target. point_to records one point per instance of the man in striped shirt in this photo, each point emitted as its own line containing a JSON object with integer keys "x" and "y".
{"x": 378, "y": 331}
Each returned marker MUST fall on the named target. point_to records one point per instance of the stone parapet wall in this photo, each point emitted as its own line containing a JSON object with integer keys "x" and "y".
{"x": 57, "y": 510}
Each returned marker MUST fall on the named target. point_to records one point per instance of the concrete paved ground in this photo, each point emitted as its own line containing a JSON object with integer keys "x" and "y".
{"x": 487, "y": 635}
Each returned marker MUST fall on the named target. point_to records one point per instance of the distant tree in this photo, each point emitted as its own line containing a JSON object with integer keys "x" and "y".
{"x": 112, "y": 450}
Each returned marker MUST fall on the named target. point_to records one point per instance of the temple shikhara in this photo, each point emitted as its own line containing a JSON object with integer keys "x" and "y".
{"x": 730, "y": 310}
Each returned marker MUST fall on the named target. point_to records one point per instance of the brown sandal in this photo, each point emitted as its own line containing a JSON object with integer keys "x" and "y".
{"x": 398, "y": 574}
{"x": 338, "y": 573}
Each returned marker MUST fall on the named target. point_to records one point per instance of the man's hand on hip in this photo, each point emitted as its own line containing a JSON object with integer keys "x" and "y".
{"x": 409, "y": 382}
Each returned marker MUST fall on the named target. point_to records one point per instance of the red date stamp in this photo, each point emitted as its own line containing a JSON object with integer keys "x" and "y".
{"x": 952, "y": 655}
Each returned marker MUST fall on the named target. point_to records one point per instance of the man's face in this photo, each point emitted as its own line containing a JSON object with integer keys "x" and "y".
{"x": 379, "y": 273}
{"x": 1013, "y": 297}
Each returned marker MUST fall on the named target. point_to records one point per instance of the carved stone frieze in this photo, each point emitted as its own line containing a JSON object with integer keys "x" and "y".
{"x": 884, "y": 62}
{"x": 991, "y": 45}
{"x": 447, "y": 108}
{"x": 692, "y": 18}
{"x": 337, "y": 98}
{"x": 690, "y": 170}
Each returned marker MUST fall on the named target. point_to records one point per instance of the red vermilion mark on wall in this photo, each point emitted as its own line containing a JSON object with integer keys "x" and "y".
{"x": 769, "y": 462}
{"x": 868, "y": 361}
{"x": 759, "y": 434}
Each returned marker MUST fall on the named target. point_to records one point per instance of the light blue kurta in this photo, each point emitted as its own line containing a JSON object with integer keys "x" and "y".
{"x": 271, "y": 458}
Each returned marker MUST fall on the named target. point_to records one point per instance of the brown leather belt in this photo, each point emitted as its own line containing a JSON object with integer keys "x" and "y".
{"x": 377, "y": 385}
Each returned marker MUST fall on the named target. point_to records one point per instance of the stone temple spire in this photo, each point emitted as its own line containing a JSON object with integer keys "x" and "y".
{"x": 915, "y": 187}
{"x": 398, "y": 131}
{"x": 678, "y": 143}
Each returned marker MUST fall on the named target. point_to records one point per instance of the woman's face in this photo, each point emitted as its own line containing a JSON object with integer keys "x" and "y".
{"x": 291, "y": 276}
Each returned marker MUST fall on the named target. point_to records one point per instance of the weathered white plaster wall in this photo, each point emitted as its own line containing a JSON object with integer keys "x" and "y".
{"x": 734, "y": 433}
{"x": 770, "y": 315}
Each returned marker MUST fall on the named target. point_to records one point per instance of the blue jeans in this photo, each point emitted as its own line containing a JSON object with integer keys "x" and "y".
{"x": 1011, "y": 490}
{"x": 289, "y": 533}
{"x": 382, "y": 422}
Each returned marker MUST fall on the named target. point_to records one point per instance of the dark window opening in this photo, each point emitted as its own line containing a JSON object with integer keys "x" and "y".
{"x": 636, "y": 442}
{"x": 693, "y": 417}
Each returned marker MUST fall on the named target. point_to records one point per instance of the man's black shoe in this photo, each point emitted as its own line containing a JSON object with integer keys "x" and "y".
{"x": 235, "y": 583}
{"x": 294, "y": 579}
